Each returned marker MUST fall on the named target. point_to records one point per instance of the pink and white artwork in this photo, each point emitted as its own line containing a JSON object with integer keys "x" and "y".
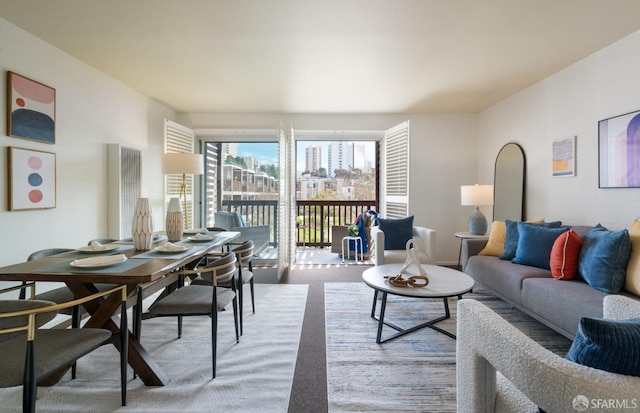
{"x": 32, "y": 179}
{"x": 32, "y": 109}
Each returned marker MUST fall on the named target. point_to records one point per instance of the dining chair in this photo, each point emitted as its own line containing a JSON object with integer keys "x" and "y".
{"x": 202, "y": 300}
{"x": 244, "y": 255}
{"x": 62, "y": 294}
{"x": 30, "y": 353}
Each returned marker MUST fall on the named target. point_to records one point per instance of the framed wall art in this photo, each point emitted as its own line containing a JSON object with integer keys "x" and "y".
{"x": 32, "y": 179}
{"x": 564, "y": 157}
{"x": 619, "y": 151}
{"x": 31, "y": 108}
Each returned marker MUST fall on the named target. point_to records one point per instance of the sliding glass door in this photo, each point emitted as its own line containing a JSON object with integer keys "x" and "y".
{"x": 243, "y": 176}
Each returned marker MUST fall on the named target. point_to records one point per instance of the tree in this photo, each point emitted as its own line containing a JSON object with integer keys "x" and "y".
{"x": 326, "y": 195}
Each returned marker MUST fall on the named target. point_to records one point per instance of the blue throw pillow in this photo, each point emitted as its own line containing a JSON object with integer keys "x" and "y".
{"x": 511, "y": 238}
{"x": 396, "y": 232}
{"x": 611, "y": 345}
{"x": 535, "y": 243}
{"x": 604, "y": 258}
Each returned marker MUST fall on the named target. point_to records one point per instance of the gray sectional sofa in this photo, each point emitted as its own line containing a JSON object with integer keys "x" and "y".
{"x": 558, "y": 304}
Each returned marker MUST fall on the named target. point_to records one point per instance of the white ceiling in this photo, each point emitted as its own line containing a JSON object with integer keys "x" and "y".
{"x": 327, "y": 56}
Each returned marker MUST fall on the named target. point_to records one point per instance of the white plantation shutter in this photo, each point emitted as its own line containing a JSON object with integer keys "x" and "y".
{"x": 396, "y": 176}
{"x": 179, "y": 139}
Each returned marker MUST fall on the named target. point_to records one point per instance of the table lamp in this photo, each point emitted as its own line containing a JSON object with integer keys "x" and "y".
{"x": 477, "y": 195}
{"x": 183, "y": 164}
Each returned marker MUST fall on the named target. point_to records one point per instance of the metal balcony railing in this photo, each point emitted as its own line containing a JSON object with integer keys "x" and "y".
{"x": 315, "y": 218}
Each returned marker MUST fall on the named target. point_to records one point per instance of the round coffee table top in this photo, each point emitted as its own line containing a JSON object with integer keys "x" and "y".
{"x": 443, "y": 281}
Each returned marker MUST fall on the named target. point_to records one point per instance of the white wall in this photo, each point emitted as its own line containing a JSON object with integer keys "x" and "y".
{"x": 571, "y": 102}
{"x": 443, "y": 157}
{"x": 92, "y": 110}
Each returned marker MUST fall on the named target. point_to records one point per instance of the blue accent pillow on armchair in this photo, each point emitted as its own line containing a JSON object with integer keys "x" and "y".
{"x": 396, "y": 232}
{"x": 611, "y": 345}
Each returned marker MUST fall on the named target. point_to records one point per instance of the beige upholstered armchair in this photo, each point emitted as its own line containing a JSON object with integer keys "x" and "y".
{"x": 425, "y": 240}
{"x": 500, "y": 369}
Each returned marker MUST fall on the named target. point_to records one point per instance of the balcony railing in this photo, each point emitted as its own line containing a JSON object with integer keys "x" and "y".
{"x": 317, "y": 217}
{"x": 256, "y": 212}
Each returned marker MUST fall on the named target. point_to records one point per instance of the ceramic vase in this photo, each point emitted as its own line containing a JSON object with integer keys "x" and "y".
{"x": 174, "y": 225}
{"x": 142, "y": 225}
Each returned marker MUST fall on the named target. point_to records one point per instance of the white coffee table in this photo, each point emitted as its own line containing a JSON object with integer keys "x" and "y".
{"x": 443, "y": 283}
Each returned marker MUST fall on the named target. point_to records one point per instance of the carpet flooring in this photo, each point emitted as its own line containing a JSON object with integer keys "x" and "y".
{"x": 413, "y": 373}
{"x": 252, "y": 374}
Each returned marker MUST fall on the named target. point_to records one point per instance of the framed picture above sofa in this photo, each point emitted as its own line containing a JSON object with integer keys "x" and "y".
{"x": 619, "y": 151}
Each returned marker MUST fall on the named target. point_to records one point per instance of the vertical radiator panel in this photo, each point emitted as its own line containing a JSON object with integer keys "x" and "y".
{"x": 124, "y": 178}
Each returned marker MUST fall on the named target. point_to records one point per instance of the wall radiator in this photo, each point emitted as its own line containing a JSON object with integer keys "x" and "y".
{"x": 124, "y": 177}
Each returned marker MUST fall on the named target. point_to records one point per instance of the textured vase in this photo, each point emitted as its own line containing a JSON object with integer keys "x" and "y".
{"x": 142, "y": 225}
{"x": 477, "y": 223}
{"x": 174, "y": 225}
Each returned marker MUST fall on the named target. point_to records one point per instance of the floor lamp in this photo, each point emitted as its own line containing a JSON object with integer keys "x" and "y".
{"x": 183, "y": 164}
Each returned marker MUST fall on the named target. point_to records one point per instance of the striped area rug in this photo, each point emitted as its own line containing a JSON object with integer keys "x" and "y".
{"x": 413, "y": 373}
{"x": 254, "y": 375}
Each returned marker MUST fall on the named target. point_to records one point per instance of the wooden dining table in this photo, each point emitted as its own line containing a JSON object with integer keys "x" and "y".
{"x": 143, "y": 272}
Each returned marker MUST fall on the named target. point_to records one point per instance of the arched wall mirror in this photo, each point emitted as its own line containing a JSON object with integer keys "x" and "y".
{"x": 508, "y": 185}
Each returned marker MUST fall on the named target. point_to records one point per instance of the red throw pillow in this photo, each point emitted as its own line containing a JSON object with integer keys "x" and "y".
{"x": 564, "y": 256}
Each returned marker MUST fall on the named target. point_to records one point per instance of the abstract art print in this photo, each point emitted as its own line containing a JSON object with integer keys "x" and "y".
{"x": 564, "y": 157}
{"x": 619, "y": 151}
{"x": 31, "y": 109}
{"x": 32, "y": 179}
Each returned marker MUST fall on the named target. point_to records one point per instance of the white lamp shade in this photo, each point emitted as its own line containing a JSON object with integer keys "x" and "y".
{"x": 182, "y": 163}
{"x": 476, "y": 195}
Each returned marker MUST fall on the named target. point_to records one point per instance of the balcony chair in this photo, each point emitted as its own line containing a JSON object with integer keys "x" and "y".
{"x": 30, "y": 353}
{"x": 391, "y": 248}
{"x": 530, "y": 375}
{"x": 202, "y": 300}
{"x": 232, "y": 221}
{"x": 364, "y": 222}
{"x": 244, "y": 255}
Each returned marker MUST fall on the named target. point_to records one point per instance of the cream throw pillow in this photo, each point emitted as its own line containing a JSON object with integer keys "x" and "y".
{"x": 497, "y": 237}
{"x": 632, "y": 282}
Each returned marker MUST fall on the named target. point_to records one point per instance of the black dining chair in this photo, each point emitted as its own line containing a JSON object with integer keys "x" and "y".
{"x": 244, "y": 255}
{"x": 202, "y": 300}
{"x": 62, "y": 294}
{"x": 30, "y": 353}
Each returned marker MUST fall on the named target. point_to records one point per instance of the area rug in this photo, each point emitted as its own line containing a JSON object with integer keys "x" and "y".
{"x": 413, "y": 373}
{"x": 254, "y": 375}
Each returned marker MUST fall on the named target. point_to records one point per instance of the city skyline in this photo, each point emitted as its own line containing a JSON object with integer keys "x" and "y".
{"x": 267, "y": 152}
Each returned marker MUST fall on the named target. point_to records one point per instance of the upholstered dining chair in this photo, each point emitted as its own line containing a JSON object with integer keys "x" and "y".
{"x": 202, "y": 300}
{"x": 30, "y": 353}
{"x": 62, "y": 294}
{"x": 244, "y": 255}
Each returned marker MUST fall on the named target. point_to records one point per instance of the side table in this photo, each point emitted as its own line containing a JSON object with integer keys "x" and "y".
{"x": 463, "y": 236}
{"x": 358, "y": 241}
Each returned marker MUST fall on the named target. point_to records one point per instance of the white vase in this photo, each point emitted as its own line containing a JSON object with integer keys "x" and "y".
{"x": 174, "y": 225}
{"x": 142, "y": 225}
